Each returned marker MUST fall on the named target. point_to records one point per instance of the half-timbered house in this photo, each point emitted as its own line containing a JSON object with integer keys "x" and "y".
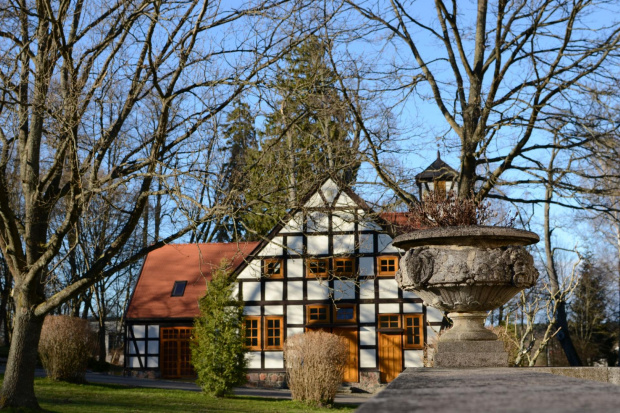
{"x": 329, "y": 265}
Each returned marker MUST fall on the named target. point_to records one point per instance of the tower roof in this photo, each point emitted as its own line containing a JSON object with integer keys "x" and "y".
{"x": 437, "y": 170}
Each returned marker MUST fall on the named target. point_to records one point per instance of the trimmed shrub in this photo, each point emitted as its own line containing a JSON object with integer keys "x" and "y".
{"x": 315, "y": 364}
{"x": 218, "y": 349}
{"x": 65, "y": 346}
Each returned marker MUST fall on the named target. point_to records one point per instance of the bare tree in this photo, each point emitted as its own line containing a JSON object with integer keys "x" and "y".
{"x": 494, "y": 72}
{"x": 162, "y": 71}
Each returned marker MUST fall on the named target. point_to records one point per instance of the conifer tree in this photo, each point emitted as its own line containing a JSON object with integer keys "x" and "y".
{"x": 589, "y": 321}
{"x": 309, "y": 134}
{"x": 311, "y": 125}
{"x": 240, "y": 142}
{"x": 218, "y": 349}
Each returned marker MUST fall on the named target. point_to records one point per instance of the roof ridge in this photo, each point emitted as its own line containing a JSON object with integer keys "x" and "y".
{"x": 174, "y": 244}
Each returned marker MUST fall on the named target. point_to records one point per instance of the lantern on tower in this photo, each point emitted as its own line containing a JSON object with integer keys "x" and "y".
{"x": 438, "y": 177}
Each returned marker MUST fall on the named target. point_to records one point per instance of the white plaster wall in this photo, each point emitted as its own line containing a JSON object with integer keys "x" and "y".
{"x": 152, "y": 362}
{"x": 344, "y": 290}
{"x": 330, "y": 190}
{"x": 385, "y": 244}
{"x": 345, "y": 201}
{"x": 295, "y": 224}
{"x": 295, "y": 314}
{"x": 139, "y": 344}
{"x": 274, "y": 290}
{"x": 253, "y": 358}
{"x": 388, "y": 288}
{"x": 295, "y": 268}
{"x": 250, "y": 291}
{"x": 252, "y": 271}
{"x": 315, "y": 201}
{"x": 414, "y": 358}
{"x": 153, "y": 347}
{"x": 343, "y": 221}
{"x": 391, "y": 308}
{"x": 274, "y": 359}
{"x": 295, "y": 245}
{"x": 366, "y": 243}
{"x": 367, "y": 336}
{"x": 274, "y": 310}
{"x": 367, "y": 265}
{"x": 273, "y": 248}
{"x": 317, "y": 222}
{"x": 251, "y": 310}
{"x": 368, "y": 358}
{"x": 134, "y": 362}
{"x": 433, "y": 315}
{"x": 291, "y": 331}
{"x": 431, "y": 333}
{"x": 365, "y": 223}
{"x": 139, "y": 331}
{"x": 412, "y": 308}
{"x": 235, "y": 291}
{"x": 344, "y": 244}
{"x": 367, "y": 313}
{"x": 153, "y": 331}
{"x": 317, "y": 244}
{"x": 295, "y": 290}
{"x": 367, "y": 289}
{"x": 318, "y": 291}
{"x": 409, "y": 294}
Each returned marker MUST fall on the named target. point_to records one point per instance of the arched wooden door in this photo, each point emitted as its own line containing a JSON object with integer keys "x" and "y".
{"x": 175, "y": 357}
{"x": 390, "y": 356}
{"x": 351, "y": 370}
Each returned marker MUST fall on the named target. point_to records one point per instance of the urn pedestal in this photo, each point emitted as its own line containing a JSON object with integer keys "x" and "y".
{"x": 467, "y": 271}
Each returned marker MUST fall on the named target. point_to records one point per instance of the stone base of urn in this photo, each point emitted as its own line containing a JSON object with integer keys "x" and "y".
{"x": 458, "y": 354}
{"x": 469, "y": 344}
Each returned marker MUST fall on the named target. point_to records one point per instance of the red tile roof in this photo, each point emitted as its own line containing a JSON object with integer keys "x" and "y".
{"x": 400, "y": 222}
{"x": 180, "y": 262}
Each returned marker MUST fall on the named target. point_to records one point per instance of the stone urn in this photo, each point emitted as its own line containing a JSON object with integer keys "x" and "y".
{"x": 467, "y": 271}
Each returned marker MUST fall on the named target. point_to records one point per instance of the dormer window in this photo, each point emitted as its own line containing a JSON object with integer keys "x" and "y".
{"x": 178, "y": 289}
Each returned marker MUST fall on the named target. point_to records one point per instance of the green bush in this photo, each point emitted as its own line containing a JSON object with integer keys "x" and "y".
{"x": 218, "y": 349}
{"x": 65, "y": 346}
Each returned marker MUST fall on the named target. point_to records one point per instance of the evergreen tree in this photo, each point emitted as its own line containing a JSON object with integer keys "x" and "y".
{"x": 241, "y": 141}
{"x": 308, "y": 135}
{"x": 311, "y": 118}
{"x": 218, "y": 349}
{"x": 589, "y": 322}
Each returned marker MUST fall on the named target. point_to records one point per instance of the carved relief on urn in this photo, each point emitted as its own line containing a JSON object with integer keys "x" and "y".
{"x": 466, "y": 271}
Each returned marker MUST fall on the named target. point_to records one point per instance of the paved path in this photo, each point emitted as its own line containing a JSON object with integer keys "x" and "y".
{"x": 346, "y": 398}
{"x": 492, "y": 390}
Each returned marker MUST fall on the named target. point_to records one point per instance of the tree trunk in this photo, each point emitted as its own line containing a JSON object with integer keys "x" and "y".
{"x": 561, "y": 321}
{"x": 101, "y": 336}
{"x": 18, "y": 385}
{"x": 4, "y": 302}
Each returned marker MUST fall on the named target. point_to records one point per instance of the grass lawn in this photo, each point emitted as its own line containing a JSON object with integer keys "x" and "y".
{"x": 101, "y": 398}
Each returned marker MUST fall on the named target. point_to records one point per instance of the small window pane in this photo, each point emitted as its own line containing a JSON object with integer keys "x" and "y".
{"x": 345, "y": 314}
{"x": 344, "y": 266}
{"x": 252, "y": 333}
{"x": 318, "y": 267}
{"x": 179, "y": 288}
{"x": 274, "y": 333}
{"x": 272, "y": 268}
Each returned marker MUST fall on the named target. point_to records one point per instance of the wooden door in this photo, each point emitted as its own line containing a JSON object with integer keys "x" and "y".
{"x": 175, "y": 352}
{"x": 351, "y": 369}
{"x": 390, "y": 356}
